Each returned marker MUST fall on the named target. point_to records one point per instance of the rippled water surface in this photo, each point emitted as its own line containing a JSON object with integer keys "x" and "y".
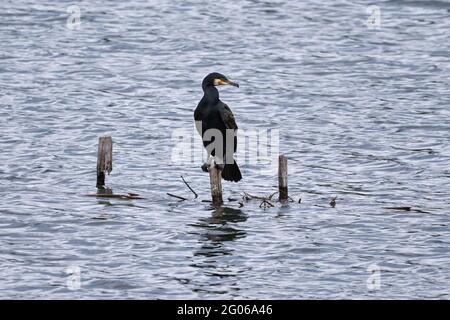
{"x": 363, "y": 114}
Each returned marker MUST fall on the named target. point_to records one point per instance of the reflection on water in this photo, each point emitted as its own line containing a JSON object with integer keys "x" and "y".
{"x": 217, "y": 235}
{"x": 221, "y": 226}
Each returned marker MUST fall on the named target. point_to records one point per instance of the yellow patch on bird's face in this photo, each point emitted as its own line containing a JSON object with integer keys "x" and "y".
{"x": 219, "y": 82}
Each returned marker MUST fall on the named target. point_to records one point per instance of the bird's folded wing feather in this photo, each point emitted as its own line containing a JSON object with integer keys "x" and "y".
{"x": 228, "y": 117}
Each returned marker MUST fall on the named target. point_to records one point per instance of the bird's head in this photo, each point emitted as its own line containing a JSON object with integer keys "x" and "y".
{"x": 216, "y": 79}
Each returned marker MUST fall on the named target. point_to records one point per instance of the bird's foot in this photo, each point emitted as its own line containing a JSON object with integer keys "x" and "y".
{"x": 205, "y": 167}
{"x": 207, "y": 164}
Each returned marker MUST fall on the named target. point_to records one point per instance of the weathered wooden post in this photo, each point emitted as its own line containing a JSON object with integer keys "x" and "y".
{"x": 215, "y": 179}
{"x": 104, "y": 160}
{"x": 282, "y": 177}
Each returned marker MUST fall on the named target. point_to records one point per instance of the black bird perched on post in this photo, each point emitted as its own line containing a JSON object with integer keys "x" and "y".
{"x": 216, "y": 124}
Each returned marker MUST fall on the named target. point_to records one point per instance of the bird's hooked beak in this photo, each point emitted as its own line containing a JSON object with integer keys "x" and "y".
{"x": 221, "y": 82}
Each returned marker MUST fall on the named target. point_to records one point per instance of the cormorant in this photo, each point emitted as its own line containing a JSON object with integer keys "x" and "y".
{"x": 216, "y": 124}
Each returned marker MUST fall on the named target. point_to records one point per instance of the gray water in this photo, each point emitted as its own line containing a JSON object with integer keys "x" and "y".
{"x": 363, "y": 114}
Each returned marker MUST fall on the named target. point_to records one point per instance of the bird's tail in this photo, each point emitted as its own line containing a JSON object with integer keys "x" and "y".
{"x": 231, "y": 172}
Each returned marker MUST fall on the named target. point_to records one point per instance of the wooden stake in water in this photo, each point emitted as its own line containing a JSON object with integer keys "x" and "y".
{"x": 104, "y": 160}
{"x": 215, "y": 179}
{"x": 282, "y": 178}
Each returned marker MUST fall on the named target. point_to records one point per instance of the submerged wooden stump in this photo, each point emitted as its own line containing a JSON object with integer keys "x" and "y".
{"x": 282, "y": 178}
{"x": 215, "y": 179}
{"x": 104, "y": 160}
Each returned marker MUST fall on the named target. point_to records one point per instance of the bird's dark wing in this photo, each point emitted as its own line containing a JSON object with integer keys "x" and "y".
{"x": 230, "y": 122}
{"x": 198, "y": 116}
{"x": 228, "y": 117}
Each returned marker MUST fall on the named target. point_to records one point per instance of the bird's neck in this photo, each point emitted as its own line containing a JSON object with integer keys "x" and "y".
{"x": 211, "y": 93}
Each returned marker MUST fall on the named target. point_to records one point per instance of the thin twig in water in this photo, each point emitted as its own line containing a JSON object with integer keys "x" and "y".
{"x": 248, "y": 195}
{"x": 265, "y": 200}
{"x": 129, "y": 196}
{"x": 333, "y": 202}
{"x": 270, "y": 198}
{"x": 398, "y": 208}
{"x": 187, "y": 184}
{"x": 175, "y": 196}
{"x": 266, "y": 204}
